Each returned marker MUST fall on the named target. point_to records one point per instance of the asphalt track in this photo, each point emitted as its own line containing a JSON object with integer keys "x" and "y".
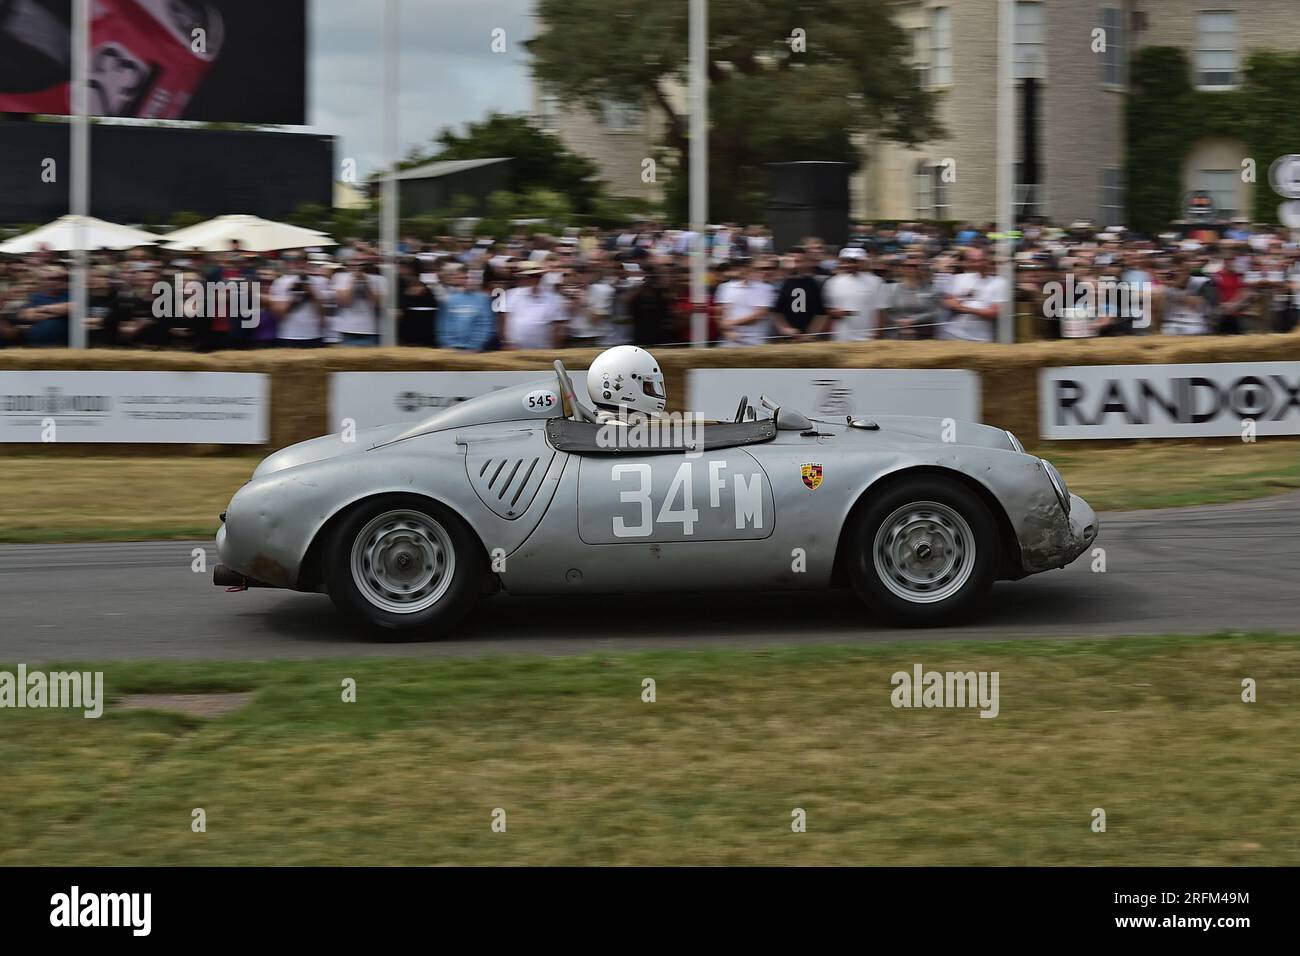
{"x": 1187, "y": 570}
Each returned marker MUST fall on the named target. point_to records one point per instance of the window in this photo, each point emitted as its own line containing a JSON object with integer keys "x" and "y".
{"x": 931, "y": 192}
{"x": 923, "y": 177}
{"x": 921, "y": 56}
{"x": 620, "y": 117}
{"x": 940, "y": 47}
{"x": 548, "y": 113}
{"x": 1112, "y": 196}
{"x": 1031, "y": 53}
{"x": 939, "y": 190}
{"x": 1216, "y": 49}
{"x": 1114, "y": 60}
{"x": 1221, "y": 184}
{"x": 1028, "y": 196}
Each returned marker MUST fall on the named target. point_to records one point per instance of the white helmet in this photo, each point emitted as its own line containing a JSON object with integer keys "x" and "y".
{"x": 627, "y": 377}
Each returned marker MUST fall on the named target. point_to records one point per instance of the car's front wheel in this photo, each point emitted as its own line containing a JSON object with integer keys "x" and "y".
{"x": 407, "y": 566}
{"x": 924, "y": 551}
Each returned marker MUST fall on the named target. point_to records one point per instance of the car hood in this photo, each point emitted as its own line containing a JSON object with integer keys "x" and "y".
{"x": 328, "y": 446}
{"x": 945, "y": 430}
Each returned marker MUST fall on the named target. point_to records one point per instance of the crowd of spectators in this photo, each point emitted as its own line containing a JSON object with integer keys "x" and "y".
{"x": 588, "y": 287}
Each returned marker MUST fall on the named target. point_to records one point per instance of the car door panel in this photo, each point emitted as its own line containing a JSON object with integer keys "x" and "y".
{"x": 657, "y": 499}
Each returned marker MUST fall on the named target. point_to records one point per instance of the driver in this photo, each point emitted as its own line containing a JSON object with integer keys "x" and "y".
{"x": 626, "y": 377}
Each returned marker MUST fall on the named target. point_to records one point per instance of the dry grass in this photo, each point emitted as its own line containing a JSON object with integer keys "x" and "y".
{"x": 97, "y": 499}
{"x": 1151, "y": 730}
{"x": 1158, "y": 475}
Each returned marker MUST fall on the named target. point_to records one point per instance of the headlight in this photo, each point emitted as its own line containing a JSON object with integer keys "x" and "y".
{"x": 1058, "y": 485}
{"x": 1015, "y": 442}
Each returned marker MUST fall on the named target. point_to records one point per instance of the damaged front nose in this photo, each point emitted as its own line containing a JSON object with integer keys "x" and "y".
{"x": 1084, "y": 527}
{"x": 1052, "y": 538}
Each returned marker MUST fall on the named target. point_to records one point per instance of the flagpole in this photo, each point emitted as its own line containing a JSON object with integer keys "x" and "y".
{"x": 1006, "y": 133}
{"x": 699, "y": 170}
{"x": 79, "y": 193}
{"x": 388, "y": 196}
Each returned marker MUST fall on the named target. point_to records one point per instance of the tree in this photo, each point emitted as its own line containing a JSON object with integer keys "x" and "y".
{"x": 538, "y": 159}
{"x": 311, "y": 215}
{"x": 547, "y": 205}
{"x": 501, "y": 205}
{"x": 775, "y": 95}
{"x": 184, "y": 219}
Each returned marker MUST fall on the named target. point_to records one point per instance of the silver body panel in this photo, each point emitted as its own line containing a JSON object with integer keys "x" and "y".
{"x": 736, "y": 517}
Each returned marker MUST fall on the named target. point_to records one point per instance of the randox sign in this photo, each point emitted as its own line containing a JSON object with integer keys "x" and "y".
{"x": 1169, "y": 401}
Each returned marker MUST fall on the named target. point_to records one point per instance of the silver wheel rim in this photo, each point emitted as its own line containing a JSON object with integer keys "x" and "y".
{"x": 402, "y": 561}
{"x": 924, "y": 552}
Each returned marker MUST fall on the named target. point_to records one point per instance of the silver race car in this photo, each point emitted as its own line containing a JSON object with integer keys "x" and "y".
{"x": 538, "y": 490}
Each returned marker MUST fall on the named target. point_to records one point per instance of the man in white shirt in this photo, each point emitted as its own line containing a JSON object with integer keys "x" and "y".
{"x": 852, "y": 299}
{"x": 534, "y": 315}
{"x": 975, "y": 300}
{"x": 600, "y": 302}
{"x": 359, "y": 297}
{"x": 746, "y": 307}
{"x": 300, "y": 299}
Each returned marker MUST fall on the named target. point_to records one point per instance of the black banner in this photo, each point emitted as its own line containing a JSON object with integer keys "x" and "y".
{"x": 148, "y": 173}
{"x": 1215, "y": 904}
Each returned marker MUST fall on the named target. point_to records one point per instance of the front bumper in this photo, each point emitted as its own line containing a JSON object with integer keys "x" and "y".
{"x": 1052, "y": 539}
{"x": 1084, "y": 528}
{"x": 242, "y": 565}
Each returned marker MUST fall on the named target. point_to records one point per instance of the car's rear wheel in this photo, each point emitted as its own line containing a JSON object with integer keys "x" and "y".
{"x": 924, "y": 551}
{"x": 406, "y": 566}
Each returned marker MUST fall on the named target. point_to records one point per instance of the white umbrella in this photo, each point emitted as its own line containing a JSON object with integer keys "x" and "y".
{"x": 254, "y": 235}
{"x": 61, "y": 236}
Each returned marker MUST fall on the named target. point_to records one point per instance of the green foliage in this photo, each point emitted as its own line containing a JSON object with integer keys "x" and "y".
{"x": 502, "y": 205}
{"x": 1167, "y": 115}
{"x": 767, "y": 102}
{"x": 339, "y": 224}
{"x": 547, "y": 205}
{"x": 616, "y": 211}
{"x": 312, "y": 215}
{"x": 539, "y": 160}
{"x": 184, "y": 219}
{"x": 491, "y": 227}
{"x": 425, "y": 226}
{"x": 361, "y": 223}
{"x": 461, "y": 206}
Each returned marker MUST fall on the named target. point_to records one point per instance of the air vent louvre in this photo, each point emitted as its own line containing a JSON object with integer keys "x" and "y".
{"x": 507, "y": 483}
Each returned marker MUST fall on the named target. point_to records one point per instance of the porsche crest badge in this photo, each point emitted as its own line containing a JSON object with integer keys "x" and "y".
{"x": 812, "y": 476}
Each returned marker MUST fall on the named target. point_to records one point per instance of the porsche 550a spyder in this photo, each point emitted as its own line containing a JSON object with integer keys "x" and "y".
{"x": 528, "y": 489}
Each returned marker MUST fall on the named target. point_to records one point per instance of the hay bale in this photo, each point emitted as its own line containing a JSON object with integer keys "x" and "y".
{"x": 300, "y": 377}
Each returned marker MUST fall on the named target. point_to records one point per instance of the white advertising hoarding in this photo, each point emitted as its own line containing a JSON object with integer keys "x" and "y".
{"x": 837, "y": 392}
{"x": 219, "y": 408}
{"x": 1169, "y": 401}
{"x": 381, "y": 398}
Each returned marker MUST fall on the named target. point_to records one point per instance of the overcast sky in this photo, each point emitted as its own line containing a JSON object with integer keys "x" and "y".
{"x": 449, "y": 72}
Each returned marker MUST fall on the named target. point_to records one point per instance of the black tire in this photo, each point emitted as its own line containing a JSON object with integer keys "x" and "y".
{"x": 409, "y": 548}
{"x": 913, "y": 585}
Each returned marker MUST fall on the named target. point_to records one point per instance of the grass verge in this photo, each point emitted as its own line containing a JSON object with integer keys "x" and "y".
{"x": 1160, "y": 475}
{"x": 60, "y": 498}
{"x": 1152, "y": 730}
